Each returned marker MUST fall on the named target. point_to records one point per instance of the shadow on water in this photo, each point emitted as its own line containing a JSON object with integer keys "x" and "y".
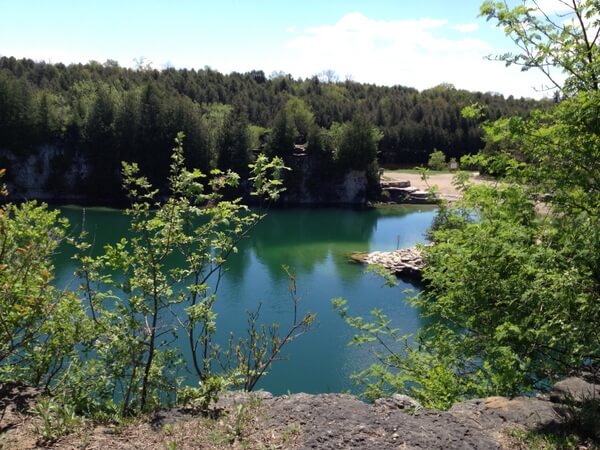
{"x": 305, "y": 238}
{"x": 314, "y": 243}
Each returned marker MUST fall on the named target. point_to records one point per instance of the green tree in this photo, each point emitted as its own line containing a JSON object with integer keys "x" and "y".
{"x": 567, "y": 41}
{"x": 318, "y": 142}
{"x": 283, "y": 134}
{"x": 39, "y": 324}
{"x": 44, "y": 103}
{"x": 157, "y": 283}
{"x": 199, "y": 151}
{"x": 153, "y": 132}
{"x": 302, "y": 116}
{"x": 358, "y": 144}
{"x": 17, "y": 111}
{"x": 334, "y": 135}
{"x": 511, "y": 294}
{"x": 437, "y": 160}
{"x": 106, "y": 350}
{"x": 101, "y": 143}
{"x": 127, "y": 125}
{"x": 234, "y": 145}
{"x": 53, "y": 115}
{"x": 214, "y": 116}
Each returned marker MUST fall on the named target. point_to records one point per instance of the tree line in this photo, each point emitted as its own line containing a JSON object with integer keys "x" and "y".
{"x": 109, "y": 113}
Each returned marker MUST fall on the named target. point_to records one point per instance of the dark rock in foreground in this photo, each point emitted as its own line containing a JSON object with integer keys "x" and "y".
{"x": 574, "y": 389}
{"x": 334, "y": 421}
{"x": 303, "y": 421}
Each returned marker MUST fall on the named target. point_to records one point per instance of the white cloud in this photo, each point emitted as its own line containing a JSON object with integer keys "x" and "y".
{"x": 291, "y": 29}
{"x": 415, "y": 53}
{"x": 466, "y": 27}
{"x": 550, "y": 7}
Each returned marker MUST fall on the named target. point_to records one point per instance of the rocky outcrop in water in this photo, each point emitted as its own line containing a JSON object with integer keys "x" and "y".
{"x": 404, "y": 262}
{"x": 403, "y": 192}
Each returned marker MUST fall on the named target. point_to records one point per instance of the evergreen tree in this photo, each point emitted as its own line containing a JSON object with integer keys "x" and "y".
{"x": 358, "y": 144}
{"x": 234, "y": 144}
{"x": 283, "y": 134}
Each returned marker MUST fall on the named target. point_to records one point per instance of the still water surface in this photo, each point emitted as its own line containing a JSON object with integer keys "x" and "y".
{"x": 314, "y": 243}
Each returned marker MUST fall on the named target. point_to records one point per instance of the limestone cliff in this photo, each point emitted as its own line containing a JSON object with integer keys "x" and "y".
{"x": 57, "y": 174}
{"x": 48, "y": 172}
{"x": 314, "y": 180}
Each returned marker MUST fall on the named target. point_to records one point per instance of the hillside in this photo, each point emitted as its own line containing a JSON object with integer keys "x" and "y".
{"x": 76, "y": 123}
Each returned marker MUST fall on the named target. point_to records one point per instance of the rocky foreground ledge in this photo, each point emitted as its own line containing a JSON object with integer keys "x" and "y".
{"x": 404, "y": 262}
{"x": 302, "y": 421}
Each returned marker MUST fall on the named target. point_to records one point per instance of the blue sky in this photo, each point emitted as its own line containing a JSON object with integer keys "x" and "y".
{"x": 411, "y": 43}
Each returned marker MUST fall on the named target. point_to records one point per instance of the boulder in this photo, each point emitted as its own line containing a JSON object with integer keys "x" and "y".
{"x": 398, "y": 401}
{"x": 574, "y": 388}
{"x": 403, "y": 262}
{"x": 496, "y": 413}
{"x": 395, "y": 184}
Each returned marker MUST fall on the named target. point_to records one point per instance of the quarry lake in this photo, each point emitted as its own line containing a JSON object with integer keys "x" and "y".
{"x": 314, "y": 243}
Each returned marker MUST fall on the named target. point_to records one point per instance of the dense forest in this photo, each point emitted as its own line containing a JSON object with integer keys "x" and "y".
{"x": 105, "y": 114}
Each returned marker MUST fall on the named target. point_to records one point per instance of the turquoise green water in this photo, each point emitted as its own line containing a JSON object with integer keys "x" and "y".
{"x": 314, "y": 243}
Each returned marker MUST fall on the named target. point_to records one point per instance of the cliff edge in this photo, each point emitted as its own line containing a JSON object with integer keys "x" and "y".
{"x": 302, "y": 421}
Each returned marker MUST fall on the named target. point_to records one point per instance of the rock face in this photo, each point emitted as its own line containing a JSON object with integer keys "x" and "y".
{"x": 332, "y": 421}
{"x": 399, "y": 401}
{"x": 55, "y": 173}
{"x": 404, "y": 262}
{"x": 313, "y": 181}
{"x": 497, "y": 413}
{"x": 47, "y": 173}
{"x": 396, "y": 184}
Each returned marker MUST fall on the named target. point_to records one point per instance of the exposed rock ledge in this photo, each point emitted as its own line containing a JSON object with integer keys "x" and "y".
{"x": 404, "y": 262}
{"x": 326, "y": 421}
{"x": 334, "y": 421}
{"x": 398, "y": 188}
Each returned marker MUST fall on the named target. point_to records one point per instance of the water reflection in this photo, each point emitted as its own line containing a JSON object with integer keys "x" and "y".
{"x": 305, "y": 239}
{"x": 314, "y": 243}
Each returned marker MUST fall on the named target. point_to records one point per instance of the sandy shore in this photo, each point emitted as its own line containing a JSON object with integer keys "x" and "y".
{"x": 443, "y": 181}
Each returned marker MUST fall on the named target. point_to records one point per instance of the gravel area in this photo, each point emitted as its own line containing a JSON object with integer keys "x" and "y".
{"x": 442, "y": 180}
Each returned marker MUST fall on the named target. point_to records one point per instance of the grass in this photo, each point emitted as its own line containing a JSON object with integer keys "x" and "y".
{"x": 520, "y": 439}
{"x": 241, "y": 426}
